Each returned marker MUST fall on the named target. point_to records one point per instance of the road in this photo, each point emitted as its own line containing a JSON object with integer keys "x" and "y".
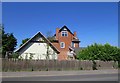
{"x": 99, "y": 75}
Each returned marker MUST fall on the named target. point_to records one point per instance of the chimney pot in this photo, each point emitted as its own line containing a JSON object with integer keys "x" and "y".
{"x": 57, "y": 33}
{"x": 75, "y": 34}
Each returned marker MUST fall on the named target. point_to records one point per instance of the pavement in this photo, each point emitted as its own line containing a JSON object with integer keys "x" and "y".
{"x": 58, "y": 73}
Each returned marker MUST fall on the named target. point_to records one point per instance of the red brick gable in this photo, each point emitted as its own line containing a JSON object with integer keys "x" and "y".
{"x": 64, "y": 35}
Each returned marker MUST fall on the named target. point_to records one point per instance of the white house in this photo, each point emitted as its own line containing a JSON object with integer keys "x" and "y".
{"x": 38, "y": 47}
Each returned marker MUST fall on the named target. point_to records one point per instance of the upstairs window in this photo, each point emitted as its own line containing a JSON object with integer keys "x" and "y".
{"x": 62, "y": 45}
{"x": 64, "y": 33}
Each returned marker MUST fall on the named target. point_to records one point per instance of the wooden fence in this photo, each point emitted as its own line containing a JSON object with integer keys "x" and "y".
{"x": 48, "y": 65}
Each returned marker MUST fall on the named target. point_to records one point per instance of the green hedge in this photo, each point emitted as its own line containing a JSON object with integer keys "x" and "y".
{"x": 96, "y": 51}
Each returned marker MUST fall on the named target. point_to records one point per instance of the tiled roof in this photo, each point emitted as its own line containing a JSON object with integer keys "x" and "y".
{"x": 47, "y": 41}
{"x": 63, "y": 28}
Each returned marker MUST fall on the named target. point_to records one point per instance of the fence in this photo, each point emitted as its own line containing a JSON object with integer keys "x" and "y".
{"x": 48, "y": 65}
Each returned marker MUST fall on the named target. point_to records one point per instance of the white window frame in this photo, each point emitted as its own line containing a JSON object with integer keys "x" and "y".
{"x": 61, "y": 45}
{"x": 64, "y": 32}
{"x": 74, "y": 44}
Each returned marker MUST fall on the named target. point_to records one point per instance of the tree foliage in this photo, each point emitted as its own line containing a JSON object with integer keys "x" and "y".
{"x": 0, "y": 40}
{"x": 100, "y": 52}
{"x": 9, "y": 42}
{"x": 24, "y": 40}
{"x": 49, "y": 36}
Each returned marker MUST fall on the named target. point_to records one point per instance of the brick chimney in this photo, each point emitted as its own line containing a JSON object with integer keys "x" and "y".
{"x": 57, "y": 33}
{"x": 75, "y": 34}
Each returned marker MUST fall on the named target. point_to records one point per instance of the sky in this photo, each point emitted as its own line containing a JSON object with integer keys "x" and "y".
{"x": 94, "y": 22}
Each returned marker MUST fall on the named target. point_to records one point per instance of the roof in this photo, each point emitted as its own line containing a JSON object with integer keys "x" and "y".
{"x": 66, "y": 28}
{"x": 63, "y": 29}
{"x": 47, "y": 41}
{"x": 71, "y": 48}
{"x": 78, "y": 49}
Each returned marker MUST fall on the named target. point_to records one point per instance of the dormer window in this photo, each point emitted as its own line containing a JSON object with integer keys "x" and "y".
{"x": 64, "y": 33}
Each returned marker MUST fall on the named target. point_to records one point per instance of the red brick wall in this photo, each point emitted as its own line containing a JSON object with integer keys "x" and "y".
{"x": 67, "y": 40}
{"x": 63, "y": 51}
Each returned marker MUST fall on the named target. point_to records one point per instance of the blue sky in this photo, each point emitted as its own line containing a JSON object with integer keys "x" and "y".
{"x": 93, "y": 21}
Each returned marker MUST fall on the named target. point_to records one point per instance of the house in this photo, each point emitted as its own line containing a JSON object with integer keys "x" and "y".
{"x": 66, "y": 42}
{"x": 38, "y": 47}
{"x": 62, "y": 46}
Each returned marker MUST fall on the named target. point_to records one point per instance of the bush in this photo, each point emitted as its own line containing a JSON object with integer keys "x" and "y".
{"x": 100, "y": 52}
{"x": 81, "y": 68}
{"x": 94, "y": 66}
{"x": 15, "y": 55}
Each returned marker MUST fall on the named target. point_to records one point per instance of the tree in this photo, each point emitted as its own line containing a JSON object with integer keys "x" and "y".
{"x": 100, "y": 52}
{"x": 49, "y": 36}
{"x": 24, "y": 40}
{"x": 0, "y": 40}
{"x": 9, "y": 42}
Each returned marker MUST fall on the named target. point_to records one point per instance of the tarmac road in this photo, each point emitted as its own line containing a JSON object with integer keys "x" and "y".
{"x": 98, "y": 75}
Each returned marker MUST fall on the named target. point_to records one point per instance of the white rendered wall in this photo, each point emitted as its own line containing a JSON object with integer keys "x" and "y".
{"x": 39, "y": 50}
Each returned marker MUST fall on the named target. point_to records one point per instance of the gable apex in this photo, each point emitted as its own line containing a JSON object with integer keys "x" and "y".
{"x": 42, "y": 38}
{"x": 65, "y": 28}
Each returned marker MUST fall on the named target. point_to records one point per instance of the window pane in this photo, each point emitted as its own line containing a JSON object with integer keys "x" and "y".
{"x": 62, "y": 44}
{"x": 72, "y": 44}
{"x": 64, "y": 33}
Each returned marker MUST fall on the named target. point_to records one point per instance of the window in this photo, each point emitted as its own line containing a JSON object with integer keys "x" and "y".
{"x": 73, "y": 44}
{"x": 64, "y": 33}
{"x": 62, "y": 44}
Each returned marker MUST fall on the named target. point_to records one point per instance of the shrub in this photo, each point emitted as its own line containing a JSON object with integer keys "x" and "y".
{"x": 100, "y": 52}
{"x": 94, "y": 66}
